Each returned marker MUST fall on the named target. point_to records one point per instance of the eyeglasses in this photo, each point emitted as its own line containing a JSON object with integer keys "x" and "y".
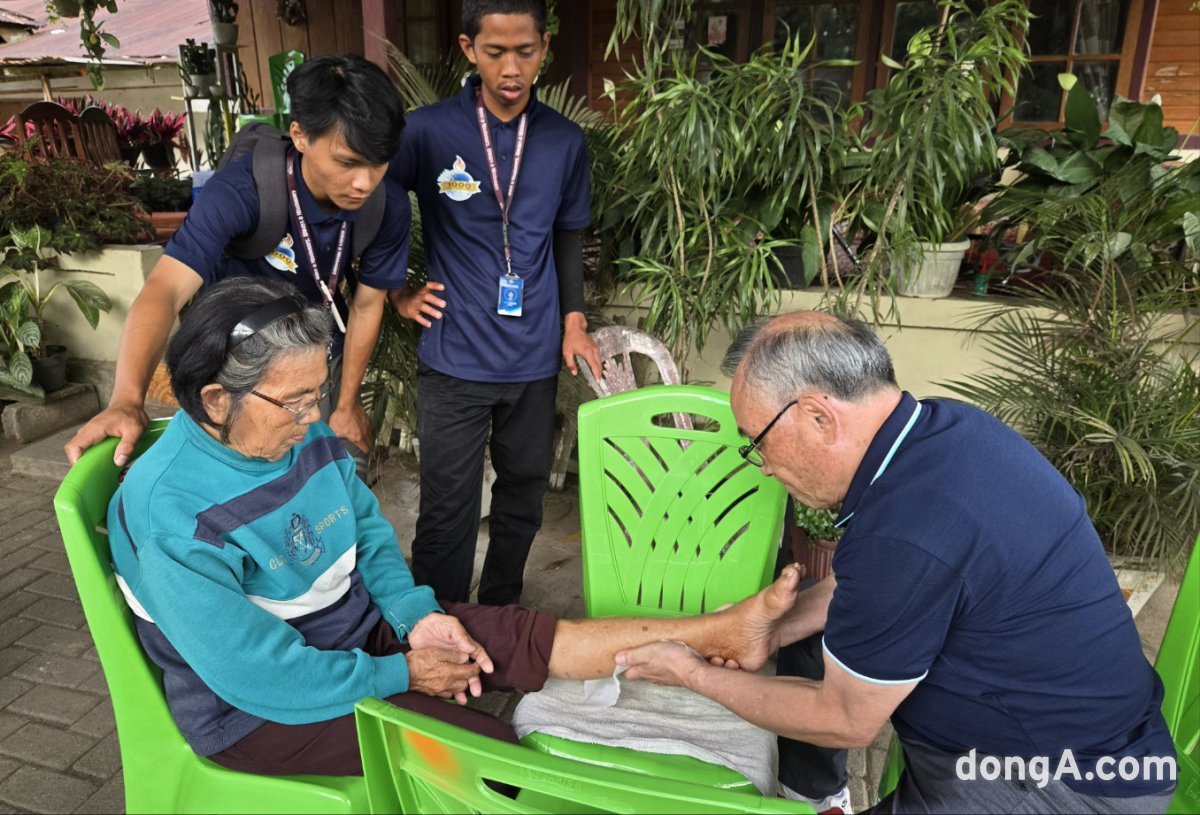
{"x": 298, "y": 412}
{"x": 750, "y": 452}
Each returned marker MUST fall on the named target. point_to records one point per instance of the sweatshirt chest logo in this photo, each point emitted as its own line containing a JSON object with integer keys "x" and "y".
{"x": 301, "y": 543}
{"x": 456, "y": 183}
{"x": 283, "y": 257}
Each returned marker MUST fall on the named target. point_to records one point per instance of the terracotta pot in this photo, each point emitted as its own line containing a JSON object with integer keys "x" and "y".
{"x": 814, "y": 556}
{"x": 166, "y": 224}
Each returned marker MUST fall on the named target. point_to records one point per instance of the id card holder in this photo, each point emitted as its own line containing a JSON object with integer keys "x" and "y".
{"x": 512, "y": 293}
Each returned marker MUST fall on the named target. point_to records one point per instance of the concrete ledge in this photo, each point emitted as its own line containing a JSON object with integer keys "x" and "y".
{"x": 29, "y": 421}
{"x": 45, "y": 458}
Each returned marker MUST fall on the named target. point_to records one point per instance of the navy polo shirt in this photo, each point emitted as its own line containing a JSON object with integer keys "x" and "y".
{"x": 228, "y": 208}
{"x": 971, "y": 567}
{"x": 442, "y": 160}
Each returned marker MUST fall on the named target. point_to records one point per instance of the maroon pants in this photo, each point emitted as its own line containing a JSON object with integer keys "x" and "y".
{"x": 518, "y": 641}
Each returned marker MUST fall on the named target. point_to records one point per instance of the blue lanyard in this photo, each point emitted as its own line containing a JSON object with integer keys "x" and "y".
{"x": 912, "y": 420}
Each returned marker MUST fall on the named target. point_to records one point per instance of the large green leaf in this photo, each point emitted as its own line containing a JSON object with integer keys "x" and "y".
{"x": 33, "y": 238}
{"x": 19, "y": 371}
{"x": 1082, "y": 116}
{"x": 90, "y": 298}
{"x": 29, "y": 334}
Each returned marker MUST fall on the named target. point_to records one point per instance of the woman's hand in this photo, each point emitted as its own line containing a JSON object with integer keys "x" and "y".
{"x": 442, "y": 672}
{"x": 439, "y": 630}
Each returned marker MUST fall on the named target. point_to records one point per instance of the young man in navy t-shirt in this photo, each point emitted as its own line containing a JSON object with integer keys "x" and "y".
{"x": 972, "y": 602}
{"x": 347, "y": 120}
{"x": 503, "y": 186}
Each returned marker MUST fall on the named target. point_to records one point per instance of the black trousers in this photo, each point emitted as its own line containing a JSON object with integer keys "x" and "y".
{"x": 814, "y": 772}
{"x": 454, "y": 417}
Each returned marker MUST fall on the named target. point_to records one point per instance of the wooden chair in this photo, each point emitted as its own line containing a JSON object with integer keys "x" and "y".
{"x": 57, "y": 130}
{"x": 618, "y": 344}
{"x": 99, "y": 134}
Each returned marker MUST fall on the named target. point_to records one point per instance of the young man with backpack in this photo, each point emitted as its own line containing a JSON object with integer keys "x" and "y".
{"x": 301, "y": 209}
{"x": 503, "y": 186}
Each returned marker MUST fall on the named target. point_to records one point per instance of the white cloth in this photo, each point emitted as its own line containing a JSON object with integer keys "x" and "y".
{"x": 654, "y": 719}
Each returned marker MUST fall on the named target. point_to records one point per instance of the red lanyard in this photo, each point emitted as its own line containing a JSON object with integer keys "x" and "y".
{"x": 310, "y": 250}
{"x": 490, "y": 152}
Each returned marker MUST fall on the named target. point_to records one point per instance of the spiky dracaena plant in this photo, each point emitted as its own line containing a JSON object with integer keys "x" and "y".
{"x": 1102, "y": 375}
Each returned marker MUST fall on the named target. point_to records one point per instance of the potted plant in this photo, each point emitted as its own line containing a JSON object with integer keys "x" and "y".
{"x": 198, "y": 66}
{"x": 81, "y": 205}
{"x": 814, "y": 538}
{"x": 164, "y": 132}
{"x": 223, "y": 14}
{"x": 928, "y": 147}
{"x": 25, "y": 294}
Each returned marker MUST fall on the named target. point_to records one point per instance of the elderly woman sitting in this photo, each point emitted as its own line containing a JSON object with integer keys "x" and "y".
{"x": 271, "y": 591}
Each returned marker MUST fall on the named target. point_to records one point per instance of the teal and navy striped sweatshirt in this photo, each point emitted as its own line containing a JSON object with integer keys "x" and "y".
{"x": 255, "y": 583}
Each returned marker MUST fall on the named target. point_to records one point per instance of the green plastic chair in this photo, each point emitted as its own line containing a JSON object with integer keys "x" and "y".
{"x": 674, "y": 522}
{"x": 414, "y": 763}
{"x": 1178, "y": 664}
{"x": 162, "y": 774}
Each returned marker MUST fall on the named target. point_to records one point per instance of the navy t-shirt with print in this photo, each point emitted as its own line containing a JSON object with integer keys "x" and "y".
{"x": 228, "y": 208}
{"x": 442, "y": 160}
{"x": 971, "y": 567}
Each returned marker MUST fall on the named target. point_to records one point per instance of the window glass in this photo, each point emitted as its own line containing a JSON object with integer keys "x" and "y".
{"x": 1100, "y": 79}
{"x": 911, "y": 17}
{"x": 1101, "y": 26}
{"x": 1039, "y": 94}
{"x": 837, "y": 37}
{"x": 1050, "y": 28}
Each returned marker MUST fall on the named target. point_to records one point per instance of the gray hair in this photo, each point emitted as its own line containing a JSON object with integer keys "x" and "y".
{"x": 841, "y": 356}
{"x": 200, "y": 354}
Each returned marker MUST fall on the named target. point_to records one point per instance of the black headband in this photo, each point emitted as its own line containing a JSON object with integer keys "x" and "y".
{"x": 264, "y": 316}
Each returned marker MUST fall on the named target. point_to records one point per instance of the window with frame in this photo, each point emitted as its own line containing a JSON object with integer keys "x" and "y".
{"x": 840, "y": 30}
{"x": 1087, "y": 38}
{"x": 422, "y": 38}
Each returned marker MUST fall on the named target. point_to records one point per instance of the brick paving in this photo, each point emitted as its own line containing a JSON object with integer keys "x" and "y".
{"x": 58, "y": 743}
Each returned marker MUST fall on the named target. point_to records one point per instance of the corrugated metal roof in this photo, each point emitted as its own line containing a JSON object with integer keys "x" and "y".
{"x": 150, "y": 31}
{"x": 12, "y": 18}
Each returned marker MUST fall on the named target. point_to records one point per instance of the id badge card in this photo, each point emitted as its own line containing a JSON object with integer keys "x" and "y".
{"x": 512, "y": 293}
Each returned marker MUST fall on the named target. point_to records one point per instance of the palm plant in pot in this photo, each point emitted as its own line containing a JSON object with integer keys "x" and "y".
{"x": 929, "y": 150}
{"x": 24, "y": 296}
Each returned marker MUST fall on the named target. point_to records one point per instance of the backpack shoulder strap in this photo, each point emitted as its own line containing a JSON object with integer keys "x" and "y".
{"x": 370, "y": 218}
{"x": 270, "y": 181}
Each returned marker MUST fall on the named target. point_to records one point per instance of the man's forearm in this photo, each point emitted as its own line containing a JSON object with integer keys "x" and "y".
{"x": 362, "y": 332}
{"x": 143, "y": 341}
{"x": 787, "y": 705}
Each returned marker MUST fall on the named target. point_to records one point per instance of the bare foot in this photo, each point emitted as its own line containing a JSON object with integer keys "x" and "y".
{"x": 751, "y": 632}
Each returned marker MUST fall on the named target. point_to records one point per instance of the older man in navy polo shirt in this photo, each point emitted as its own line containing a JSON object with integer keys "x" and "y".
{"x": 503, "y": 186}
{"x": 971, "y": 603}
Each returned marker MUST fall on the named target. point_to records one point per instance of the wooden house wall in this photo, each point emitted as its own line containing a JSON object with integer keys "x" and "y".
{"x": 1173, "y": 68}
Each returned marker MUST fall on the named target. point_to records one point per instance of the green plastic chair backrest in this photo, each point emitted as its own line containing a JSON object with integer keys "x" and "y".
{"x": 674, "y": 521}
{"x": 161, "y": 772}
{"x": 415, "y": 763}
{"x": 1178, "y": 664}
